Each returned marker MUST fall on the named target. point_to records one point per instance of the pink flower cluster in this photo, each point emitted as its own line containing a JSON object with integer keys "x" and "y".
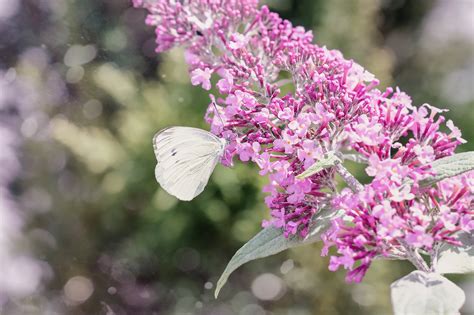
{"x": 253, "y": 52}
{"x": 333, "y": 105}
{"x": 389, "y": 220}
{"x": 394, "y": 216}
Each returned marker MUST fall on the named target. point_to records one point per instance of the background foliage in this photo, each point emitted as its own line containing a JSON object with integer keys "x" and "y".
{"x": 108, "y": 239}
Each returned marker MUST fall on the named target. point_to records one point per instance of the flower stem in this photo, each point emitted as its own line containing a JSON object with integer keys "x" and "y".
{"x": 350, "y": 180}
{"x": 434, "y": 257}
{"x": 415, "y": 258}
{"x": 419, "y": 262}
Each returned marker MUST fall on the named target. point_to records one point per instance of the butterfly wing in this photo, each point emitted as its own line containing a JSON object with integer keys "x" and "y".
{"x": 186, "y": 158}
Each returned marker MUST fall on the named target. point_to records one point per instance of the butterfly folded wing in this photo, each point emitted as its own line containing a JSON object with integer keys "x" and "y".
{"x": 186, "y": 158}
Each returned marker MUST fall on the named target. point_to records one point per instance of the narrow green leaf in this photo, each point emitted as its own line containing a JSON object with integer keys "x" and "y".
{"x": 330, "y": 160}
{"x": 450, "y": 166}
{"x": 271, "y": 241}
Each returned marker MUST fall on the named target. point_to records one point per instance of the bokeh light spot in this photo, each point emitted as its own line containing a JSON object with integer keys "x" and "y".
{"x": 164, "y": 201}
{"x": 78, "y": 289}
{"x": 113, "y": 183}
{"x": 29, "y": 127}
{"x": 78, "y": 55}
{"x": 364, "y": 294}
{"x": 286, "y": 266}
{"x": 252, "y": 309}
{"x": 112, "y": 290}
{"x": 92, "y": 109}
{"x": 74, "y": 74}
{"x": 116, "y": 40}
{"x": 267, "y": 287}
{"x": 8, "y": 8}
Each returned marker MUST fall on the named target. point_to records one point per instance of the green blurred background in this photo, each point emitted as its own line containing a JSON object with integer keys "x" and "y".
{"x": 107, "y": 238}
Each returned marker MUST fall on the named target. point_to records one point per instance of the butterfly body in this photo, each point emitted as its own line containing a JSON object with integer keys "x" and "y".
{"x": 186, "y": 157}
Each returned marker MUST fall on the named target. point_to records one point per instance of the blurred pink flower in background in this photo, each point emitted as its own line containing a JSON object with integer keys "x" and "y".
{"x": 21, "y": 273}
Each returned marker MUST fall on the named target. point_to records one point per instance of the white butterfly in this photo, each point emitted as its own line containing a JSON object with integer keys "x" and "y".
{"x": 186, "y": 158}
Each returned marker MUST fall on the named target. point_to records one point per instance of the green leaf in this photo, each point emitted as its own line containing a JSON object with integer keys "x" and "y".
{"x": 457, "y": 259}
{"x": 426, "y": 293}
{"x": 271, "y": 241}
{"x": 450, "y": 166}
{"x": 330, "y": 160}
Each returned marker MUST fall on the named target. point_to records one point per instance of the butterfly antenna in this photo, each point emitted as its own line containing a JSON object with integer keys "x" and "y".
{"x": 217, "y": 112}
